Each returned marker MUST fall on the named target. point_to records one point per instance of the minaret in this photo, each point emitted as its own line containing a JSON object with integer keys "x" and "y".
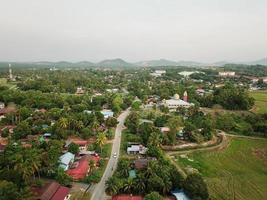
{"x": 10, "y": 72}
{"x": 185, "y": 98}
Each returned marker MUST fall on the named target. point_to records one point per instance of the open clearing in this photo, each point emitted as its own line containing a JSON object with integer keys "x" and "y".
{"x": 260, "y": 101}
{"x": 238, "y": 172}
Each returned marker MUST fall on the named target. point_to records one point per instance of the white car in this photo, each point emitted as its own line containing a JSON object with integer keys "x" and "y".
{"x": 115, "y": 155}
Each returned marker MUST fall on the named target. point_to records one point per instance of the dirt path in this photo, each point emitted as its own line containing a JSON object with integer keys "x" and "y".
{"x": 222, "y": 145}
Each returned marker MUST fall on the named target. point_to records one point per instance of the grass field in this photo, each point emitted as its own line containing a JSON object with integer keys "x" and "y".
{"x": 238, "y": 172}
{"x": 260, "y": 101}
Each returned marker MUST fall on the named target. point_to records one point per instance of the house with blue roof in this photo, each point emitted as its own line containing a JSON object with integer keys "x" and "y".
{"x": 66, "y": 160}
{"x": 180, "y": 195}
{"x": 107, "y": 113}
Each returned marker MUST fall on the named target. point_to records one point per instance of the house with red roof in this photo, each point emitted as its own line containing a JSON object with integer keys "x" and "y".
{"x": 126, "y": 197}
{"x": 51, "y": 191}
{"x": 79, "y": 169}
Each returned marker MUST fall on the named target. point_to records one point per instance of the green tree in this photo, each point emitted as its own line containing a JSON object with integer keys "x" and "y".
{"x": 111, "y": 122}
{"x": 73, "y": 148}
{"x": 8, "y": 190}
{"x": 195, "y": 187}
{"x": 22, "y": 130}
{"x": 153, "y": 196}
{"x": 101, "y": 140}
{"x": 64, "y": 123}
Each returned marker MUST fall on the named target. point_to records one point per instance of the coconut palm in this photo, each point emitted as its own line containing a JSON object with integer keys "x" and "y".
{"x": 140, "y": 184}
{"x": 128, "y": 186}
{"x": 63, "y": 122}
{"x": 95, "y": 124}
{"x": 101, "y": 140}
{"x": 112, "y": 186}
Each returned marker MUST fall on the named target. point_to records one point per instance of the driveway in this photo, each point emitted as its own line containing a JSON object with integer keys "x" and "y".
{"x": 99, "y": 191}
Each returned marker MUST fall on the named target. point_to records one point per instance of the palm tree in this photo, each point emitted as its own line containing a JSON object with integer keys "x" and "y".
{"x": 101, "y": 140}
{"x": 35, "y": 160}
{"x": 155, "y": 139}
{"x": 92, "y": 165}
{"x": 112, "y": 186}
{"x": 128, "y": 185}
{"x": 63, "y": 122}
{"x": 140, "y": 184}
{"x": 79, "y": 125}
{"x": 95, "y": 124}
{"x": 23, "y": 166}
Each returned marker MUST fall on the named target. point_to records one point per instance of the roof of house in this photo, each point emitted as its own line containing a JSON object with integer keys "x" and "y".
{"x": 132, "y": 173}
{"x": 107, "y": 113}
{"x": 180, "y": 195}
{"x": 51, "y": 191}
{"x": 81, "y": 170}
{"x": 177, "y": 102}
{"x": 80, "y": 142}
{"x": 66, "y": 158}
{"x": 7, "y": 110}
{"x": 134, "y": 148}
{"x": 140, "y": 163}
{"x": 126, "y": 197}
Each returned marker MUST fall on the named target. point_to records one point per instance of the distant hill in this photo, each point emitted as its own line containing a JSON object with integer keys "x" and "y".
{"x": 156, "y": 63}
{"x": 259, "y": 62}
{"x": 114, "y": 63}
{"x": 164, "y": 62}
{"x": 120, "y": 63}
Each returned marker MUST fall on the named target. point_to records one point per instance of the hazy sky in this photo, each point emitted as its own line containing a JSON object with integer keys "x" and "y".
{"x": 75, "y": 30}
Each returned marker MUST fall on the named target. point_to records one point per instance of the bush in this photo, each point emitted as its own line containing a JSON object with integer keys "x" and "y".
{"x": 73, "y": 148}
{"x": 195, "y": 187}
{"x": 153, "y": 196}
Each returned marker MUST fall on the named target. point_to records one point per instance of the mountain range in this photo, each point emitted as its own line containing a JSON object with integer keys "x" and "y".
{"x": 120, "y": 63}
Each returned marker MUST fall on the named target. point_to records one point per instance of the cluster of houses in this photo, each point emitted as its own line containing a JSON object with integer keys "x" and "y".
{"x": 51, "y": 190}
{"x": 77, "y": 166}
{"x": 227, "y": 74}
{"x": 158, "y": 73}
{"x": 106, "y": 113}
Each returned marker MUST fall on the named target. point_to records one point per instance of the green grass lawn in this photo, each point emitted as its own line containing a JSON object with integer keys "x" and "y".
{"x": 260, "y": 101}
{"x": 234, "y": 173}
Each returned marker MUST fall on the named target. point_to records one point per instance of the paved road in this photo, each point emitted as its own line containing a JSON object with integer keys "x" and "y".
{"x": 99, "y": 191}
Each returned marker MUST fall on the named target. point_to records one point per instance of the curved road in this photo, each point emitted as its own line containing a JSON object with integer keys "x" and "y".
{"x": 99, "y": 191}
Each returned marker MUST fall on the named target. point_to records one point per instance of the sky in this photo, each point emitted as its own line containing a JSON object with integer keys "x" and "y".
{"x": 134, "y": 30}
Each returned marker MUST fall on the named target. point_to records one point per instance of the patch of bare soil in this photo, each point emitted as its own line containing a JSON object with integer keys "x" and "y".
{"x": 261, "y": 154}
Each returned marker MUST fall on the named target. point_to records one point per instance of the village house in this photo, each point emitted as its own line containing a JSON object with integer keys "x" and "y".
{"x": 136, "y": 149}
{"x": 106, "y": 113}
{"x": 180, "y": 195}
{"x": 66, "y": 160}
{"x": 80, "y": 91}
{"x": 158, "y": 73}
{"x": 6, "y": 110}
{"x": 164, "y": 129}
{"x": 51, "y": 191}
{"x": 79, "y": 169}
{"x": 227, "y": 74}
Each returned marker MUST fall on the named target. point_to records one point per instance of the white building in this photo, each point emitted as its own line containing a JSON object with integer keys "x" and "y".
{"x": 158, "y": 73}
{"x": 227, "y": 74}
{"x": 176, "y": 102}
{"x": 136, "y": 149}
